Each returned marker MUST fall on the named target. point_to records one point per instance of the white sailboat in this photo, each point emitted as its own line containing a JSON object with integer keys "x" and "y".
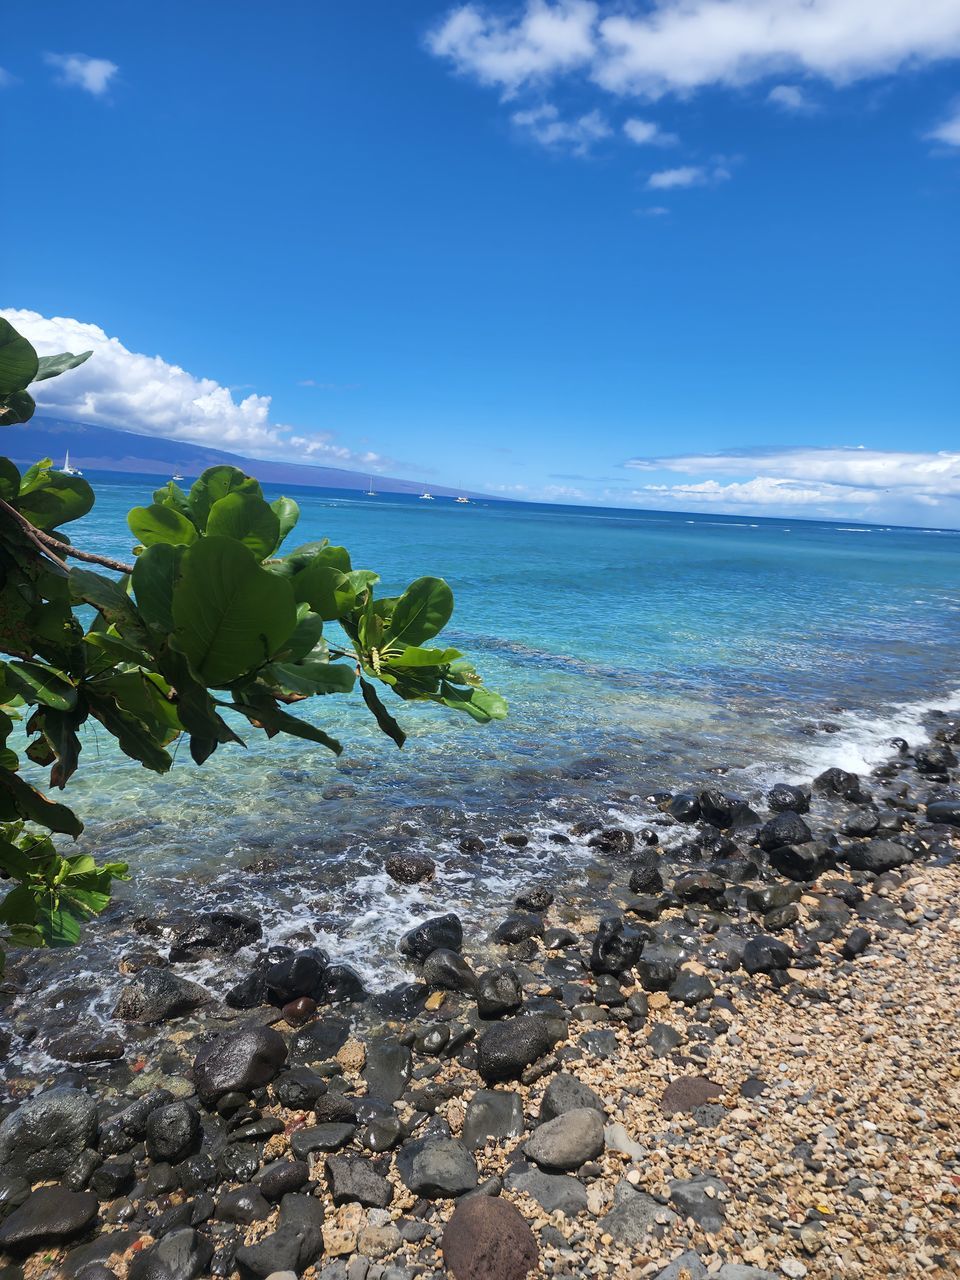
{"x": 426, "y": 496}
{"x": 462, "y": 497}
{"x": 371, "y": 492}
{"x": 66, "y": 469}
{"x": 178, "y": 476}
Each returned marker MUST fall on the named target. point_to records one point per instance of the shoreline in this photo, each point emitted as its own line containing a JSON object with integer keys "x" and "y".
{"x": 656, "y": 1001}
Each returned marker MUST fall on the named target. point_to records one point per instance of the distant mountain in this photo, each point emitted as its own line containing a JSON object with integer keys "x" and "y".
{"x": 95, "y": 448}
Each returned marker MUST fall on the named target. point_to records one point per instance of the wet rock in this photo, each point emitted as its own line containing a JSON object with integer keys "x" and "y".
{"x": 48, "y": 1216}
{"x": 568, "y": 1141}
{"x": 519, "y": 928}
{"x": 516, "y": 839}
{"x": 320, "y": 1137}
{"x": 554, "y": 1191}
{"x": 216, "y": 933}
{"x": 487, "y": 1239}
{"x": 173, "y": 1132}
{"x": 701, "y": 1198}
{"x": 471, "y": 844}
{"x": 877, "y": 856}
{"x": 43, "y": 1137}
{"x": 616, "y": 947}
{"x": 508, "y": 1047}
{"x": 299, "y": 1088}
{"x": 448, "y": 971}
{"x": 764, "y": 955}
{"x": 838, "y": 782}
{"x": 129, "y": 1126}
{"x": 566, "y": 1093}
{"x": 113, "y": 1178}
{"x": 863, "y": 821}
{"x": 294, "y": 1246}
{"x": 155, "y": 995}
{"x": 699, "y": 886}
{"x": 498, "y": 992}
{"x": 613, "y": 840}
{"x": 783, "y": 796}
{"x": 786, "y": 828}
{"x": 387, "y": 1069}
{"x": 492, "y": 1113}
{"x": 279, "y": 1177}
{"x": 437, "y": 1168}
{"x": 241, "y": 1061}
{"x": 86, "y": 1042}
{"x": 945, "y": 812}
{"x": 440, "y": 931}
{"x": 536, "y": 898}
{"x": 691, "y": 988}
{"x": 716, "y": 808}
{"x": 320, "y": 1040}
{"x": 410, "y": 868}
{"x": 800, "y": 862}
{"x": 645, "y": 874}
{"x": 353, "y": 1179}
{"x": 935, "y": 759}
{"x": 687, "y": 1093}
{"x": 243, "y": 1205}
{"x": 300, "y": 974}
{"x": 299, "y": 1011}
{"x": 341, "y": 983}
{"x": 635, "y": 1216}
{"x": 685, "y": 807}
{"x": 856, "y": 944}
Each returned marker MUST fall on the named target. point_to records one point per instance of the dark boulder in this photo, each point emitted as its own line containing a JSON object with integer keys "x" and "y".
{"x": 320, "y": 1040}
{"x": 48, "y": 1216}
{"x": 786, "y": 828}
{"x": 487, "y": 1239}
{"x": 856, "y": 944}
{"x": 353, "y": 1179}
{"x": 181, "y": 1255}
{"x": 800, "y": 862}
{"x": 448, "y": 971}
{"x": 784, "y": 797}
{"x": 498, "y": 992}
{"x": 492, "y": 1114}
{"x": 613, "y": 840}
{"x": 944, "y": 812}
{"x": 657, "y": 968}
{"x": 86, "y": 1042}
{"x": 519, "y": 928}
{"x": 155, "y": 995}
{"x": 173, "y": 1132}
{"x": 508, "y": 1047}
{"x": 239, "y": 1061}
{"x": 387, "y": 1069}
{"x": 46, "y": 1134}
{"x": 764, "y": 955}
{"x": 616, "y": 947}
{"x": 685, "y": 807}
{"x": 536, "y": 898}
{"x": 294, "y": 1246}
{"x": 645, "y": 874}
{"x": 243, "y": 1205}
{"x": 300, "y": 974}
{"x": 862, "y": 821}
{"x": 128, "y": 1127}
{"x": 877, "y": 856}
{"x": 716, "y": 808}
{"x": 341, "y": 983}
{"x": 567, "y": 1093}
{"x": 471, "y": 844}
{"x": 702, "y": 887}
{"x": 299, "y": 1088}
{"x": 838, "y": 782}
{"x": 440, "y": 931}
{"x": 437, "y": 1168}
{"x": 935, "y": 759}
{"x": 214, "y": 934}
{"x": 410, "y": 868}
{"x": 279, "y": 1177}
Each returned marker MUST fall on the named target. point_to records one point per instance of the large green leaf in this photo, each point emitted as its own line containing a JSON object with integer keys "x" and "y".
{"x": 153, "y": 578}
{"x": 288, "y": 513}
{"x": 246, "y": 517}
{"x": 196, "y": 709}
{"x": 136, "y": 739}
{"x": 48, "y": 498}
{"x": 264, "y": 713}
{"x": 483, "y": 705}
{"x": 36, "y": 682}
{"x": 380, "y": 713}
{"x": 230, "y": 615}
{"x": 311, "y": 677}
{"x": 9, "y": 480}
{"x": 215, "y": 483}
{"x": 16, "y": 408}
{"x": 18, "y": 360}
{"x": 171, "y": 495}
{"x": 53, "y": 366}
{"x": 30, "y": 804}
{"x": 157, "y": 523}
{"x": 414, "y": 657}
{"x": 325, "y": 589}
{"x": 423, "y": 610}
{"x": 307, "y": 636}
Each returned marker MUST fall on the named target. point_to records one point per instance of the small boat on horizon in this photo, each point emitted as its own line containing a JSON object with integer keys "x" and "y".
{"x": 371, "y": 492}
{"x": 461, "y": 496}
{"x": 426, "y": 496}
{"x": 66, "y": 469}
{"x": 178, "y": 476}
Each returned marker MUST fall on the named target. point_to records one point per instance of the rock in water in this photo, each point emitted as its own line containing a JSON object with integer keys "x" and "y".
{"x": 48, "y": 1216}
{"x": 786, "y": 828}
{"x": 487, "y": 1239}
{"x": 440, "y": 931}
{"x": 43, "y": 1137}
{"x": 410, "y": 868}
{"x": 784, "y": 796}
{"x": 238, "y": 1062}
{"x": 508, "y": 1047}
{"x": 216, "y": 933}
{"x": 568, "y": 1141}
{"x": 448, "y": 971}
{"x": 301, "y": 974}
{"x": 157, "y": 994}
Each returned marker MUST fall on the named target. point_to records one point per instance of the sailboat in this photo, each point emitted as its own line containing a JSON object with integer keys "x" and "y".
{"x": 66, "y": 469}
{"x": 462, "y": 497}
{"x": 178, "y": 476}
{"x": 426, "y": 496}
{"x": 371, "y": 492}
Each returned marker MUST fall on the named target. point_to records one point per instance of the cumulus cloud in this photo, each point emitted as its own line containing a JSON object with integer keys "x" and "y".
{"x": 877, "y": 483}
{"x": 120, "y": 388}
{"x": 688, "y": 175}
{"x": 545, "y": 126}
{"x": 80, "y": 71}
{"x": 648, "y": 133}
{"x": 790, "y": 97}
{"x": 677, "y": 46}
{"x": 948, "y": 130}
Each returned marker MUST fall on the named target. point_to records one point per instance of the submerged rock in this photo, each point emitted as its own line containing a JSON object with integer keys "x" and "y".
{"x": 440, "y": 931}
{"x": 155, "y": 995}
{"x": 215, "y": 933}
{"x": 410, "y": 868}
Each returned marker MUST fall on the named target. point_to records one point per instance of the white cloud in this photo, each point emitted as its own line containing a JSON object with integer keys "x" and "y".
{"x": 790, "y": 97}
{"x": 948, "y": 130}
{"x": 677, "y": 46}
{"x": 80, "y": 71}
{"x": 545, "y": 126}
{"x": 6, "y": 79}
{"x": 120, "y": 388}
{"x": 688, "y": 175}
{"x": 648, "y": 133}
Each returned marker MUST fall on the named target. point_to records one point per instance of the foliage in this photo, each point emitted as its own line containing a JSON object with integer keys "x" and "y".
{"x": 210, "y": 625}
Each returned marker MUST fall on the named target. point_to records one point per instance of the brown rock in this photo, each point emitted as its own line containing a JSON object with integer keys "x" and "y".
{"x": 688, "y": 1092}
{"x": 486, "y": 1239}
{"x": 299, "y": 1011}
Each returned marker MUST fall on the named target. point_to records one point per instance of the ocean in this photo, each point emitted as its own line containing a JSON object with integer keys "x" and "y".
{"x": 638, "y": 651}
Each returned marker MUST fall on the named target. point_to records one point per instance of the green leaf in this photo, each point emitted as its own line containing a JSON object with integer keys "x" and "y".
{"x": 326, "y": 590}
{"x": 171, "y": 495}
{"x": 248, "y": 519}
{"x": 30, "y": 804}
{"x": 423, "y": 610}
{"x": 483, "y": 705}
{"x": 18, "y": 360}
{"x": 53, "y": 366}
{"x": 195, "y": 707}
{"x": 59, "y": 926}
{"x": 135, "y": 739}
{"x": 157, "y": 523}
{"x": 216, "y": 483}
{"x": 380, "y": 713}
{"x": 36, "y": 682}
{"x": 307, "y": 636}
{"x": 414, "y": 657}
{"x": 230, "y": 615}
{"x": 154, "y": 575}
{"x": 17, "y": 407}
{"x": 288, "y": 513}
{"x": 48, "y": 499}
{"x": 311, "y": 677}
{"x": 264, "y": 713}
{"x": 9, "y": 480}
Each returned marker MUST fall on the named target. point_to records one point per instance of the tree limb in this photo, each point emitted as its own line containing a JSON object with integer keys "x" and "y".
{"x": 49, "y": 546}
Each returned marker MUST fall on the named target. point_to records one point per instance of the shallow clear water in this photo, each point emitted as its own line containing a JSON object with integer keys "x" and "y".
{"x": 637, "y": 651}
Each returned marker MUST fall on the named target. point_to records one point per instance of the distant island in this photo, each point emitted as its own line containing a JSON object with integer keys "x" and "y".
{"x": 94, "y": 448}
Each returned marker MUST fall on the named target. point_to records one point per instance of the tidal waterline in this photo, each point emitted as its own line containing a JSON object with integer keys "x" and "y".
{"x": 637, "y": 651}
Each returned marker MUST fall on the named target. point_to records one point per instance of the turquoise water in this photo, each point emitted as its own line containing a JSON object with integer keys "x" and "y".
{"x": 637, "y": 651}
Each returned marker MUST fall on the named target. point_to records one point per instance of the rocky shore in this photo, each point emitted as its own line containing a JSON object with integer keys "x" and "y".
{"x": 742, "y": 1061}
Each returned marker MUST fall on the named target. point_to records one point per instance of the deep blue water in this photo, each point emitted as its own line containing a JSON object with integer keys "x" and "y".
{"x": 637, "y": 651}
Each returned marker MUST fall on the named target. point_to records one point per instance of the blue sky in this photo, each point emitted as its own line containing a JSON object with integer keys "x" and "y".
{"x": 701, "y": 257}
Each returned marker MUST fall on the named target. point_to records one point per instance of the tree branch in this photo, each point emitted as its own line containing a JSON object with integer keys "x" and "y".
{"x": 53, "y": 549}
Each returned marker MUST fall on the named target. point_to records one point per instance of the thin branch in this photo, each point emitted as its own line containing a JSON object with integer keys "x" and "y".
{"x": 50, "y": 546}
